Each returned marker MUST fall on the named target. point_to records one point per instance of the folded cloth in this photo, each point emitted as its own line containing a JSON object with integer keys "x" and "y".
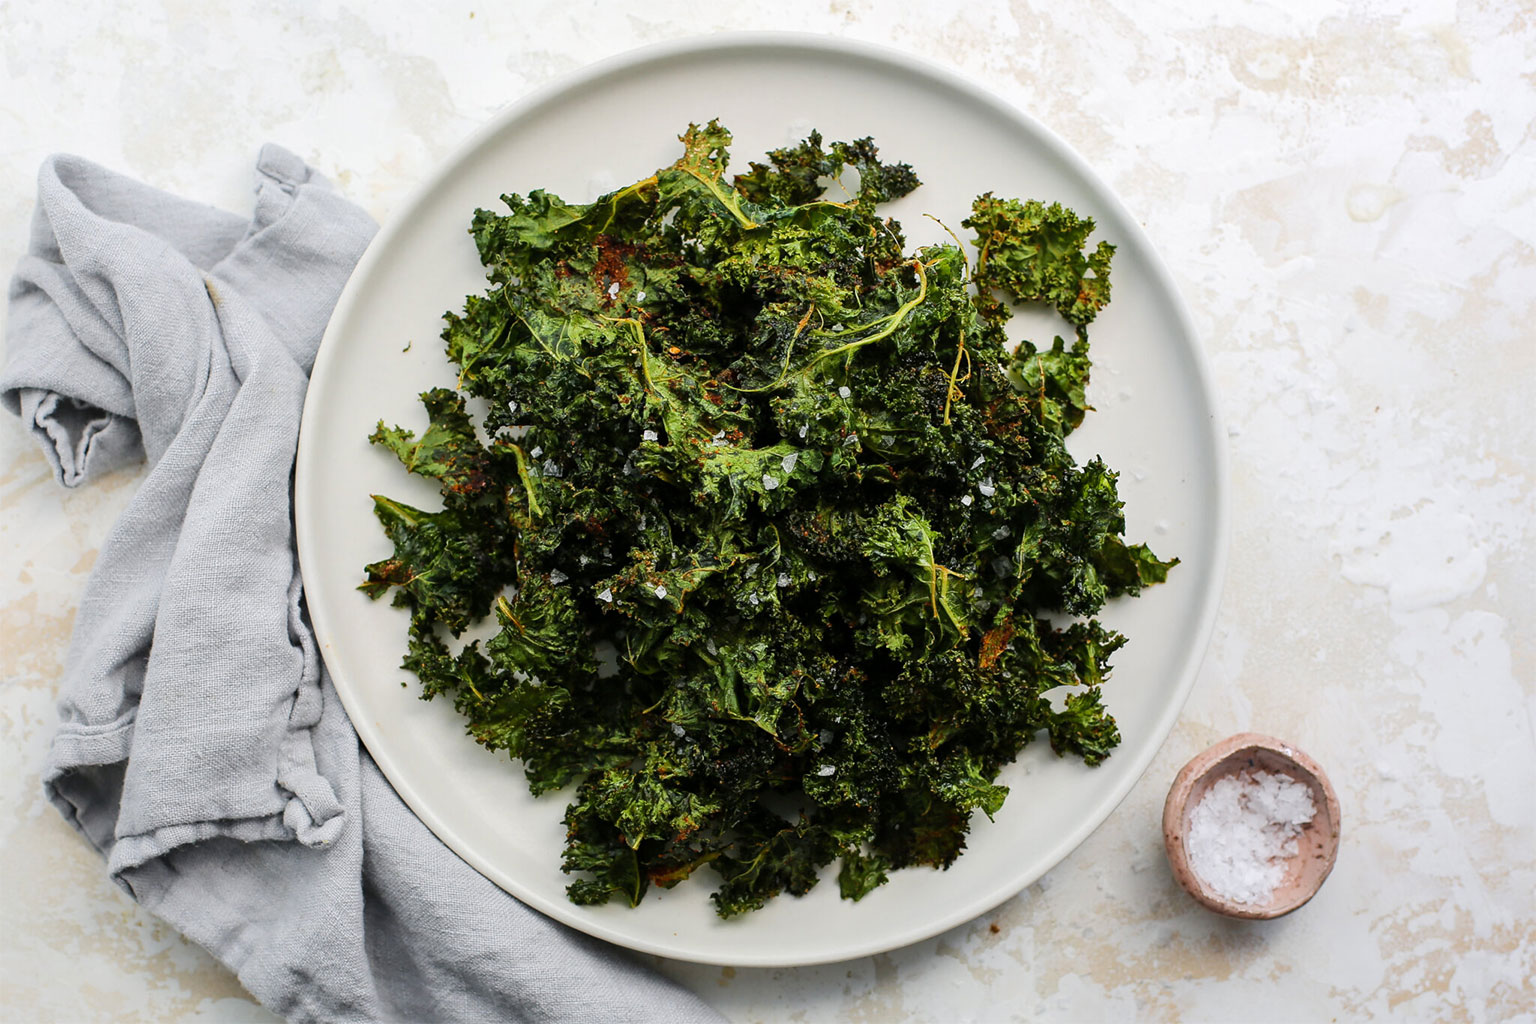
{"x": 202, "y": 747}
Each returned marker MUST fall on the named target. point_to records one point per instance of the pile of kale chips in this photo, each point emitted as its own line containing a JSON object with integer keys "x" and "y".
{"x": 769, "y": 517}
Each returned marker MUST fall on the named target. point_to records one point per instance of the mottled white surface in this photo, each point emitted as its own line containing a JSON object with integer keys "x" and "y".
{"x": 1346, "y": 196}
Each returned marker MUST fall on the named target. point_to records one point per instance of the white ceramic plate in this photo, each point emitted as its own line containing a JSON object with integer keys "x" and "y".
{"x": 615, "y": 123}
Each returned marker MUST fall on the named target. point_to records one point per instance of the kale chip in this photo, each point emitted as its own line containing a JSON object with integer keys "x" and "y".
{"x": 771, "y": 517}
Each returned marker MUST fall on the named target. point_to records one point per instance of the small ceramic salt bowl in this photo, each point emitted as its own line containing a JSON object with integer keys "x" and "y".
{"x": 1317, "y": 843}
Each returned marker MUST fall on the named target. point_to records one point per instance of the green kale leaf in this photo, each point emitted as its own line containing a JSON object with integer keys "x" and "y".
{"x": 1035, "y": 253}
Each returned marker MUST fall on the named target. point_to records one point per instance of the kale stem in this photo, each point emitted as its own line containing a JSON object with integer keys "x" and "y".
{"x": 896, "y": 319}
{"x": 954, "y": 374}
{"x": 522, "y": 473}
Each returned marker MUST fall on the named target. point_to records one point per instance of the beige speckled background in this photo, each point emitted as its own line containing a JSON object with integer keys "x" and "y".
{"x": 1346, "y": 195}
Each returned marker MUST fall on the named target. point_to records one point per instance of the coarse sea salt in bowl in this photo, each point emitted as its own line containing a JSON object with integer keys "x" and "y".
{"x": 1251, "y": 826}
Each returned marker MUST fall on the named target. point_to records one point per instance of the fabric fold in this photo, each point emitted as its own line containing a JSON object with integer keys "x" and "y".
{"x": 202, "y": 747}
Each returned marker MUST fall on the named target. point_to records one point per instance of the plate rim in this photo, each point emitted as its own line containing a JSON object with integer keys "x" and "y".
{"x": 1209, "y": 601}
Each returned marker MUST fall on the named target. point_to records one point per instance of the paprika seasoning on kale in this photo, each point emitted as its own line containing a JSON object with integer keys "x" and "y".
{"x": 770, "y": 519}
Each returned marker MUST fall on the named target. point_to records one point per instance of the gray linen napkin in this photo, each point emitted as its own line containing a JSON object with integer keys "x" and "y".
{"x": 202, "y": 748}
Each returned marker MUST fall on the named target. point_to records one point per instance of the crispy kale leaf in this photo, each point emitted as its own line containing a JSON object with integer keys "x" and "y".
{"x": 770, "y": 517}
{"x": 1036, "y": 252}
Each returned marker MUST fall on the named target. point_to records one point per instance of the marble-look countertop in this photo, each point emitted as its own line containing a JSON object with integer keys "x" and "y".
{"x": 1346, "y": 195}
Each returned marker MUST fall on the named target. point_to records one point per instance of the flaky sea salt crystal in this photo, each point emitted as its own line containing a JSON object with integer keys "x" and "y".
{"x": 987, "y": 488}
{"x": 770, "y": 482}
{"x": 753, "y": 600}
{"x": 979, "y": 460}
{"x": 648, "y": 435}
{"x": 606, "y": 595}
{"x": 1001, "y": 533}
{"x": 557, "y": 577}
{"x": 639, "y": 296}
{"x": 551, "y": 467}
{"x": 966, "y": 500}
{"x": 678, "y": 730}
{"x": 709, "y": 645}
{"x": 783, "y": 579}
{"x": 804, "y": 427}
{"x": 536, "y": 453}
{"x": 661, "y": 591}
{"x": 826, "y": 770}
{"x": 1244, "y": 829}
{"x": 789, "y": 462}
{"x": 613, "y": 290}
{"x": 843, "y": 391}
